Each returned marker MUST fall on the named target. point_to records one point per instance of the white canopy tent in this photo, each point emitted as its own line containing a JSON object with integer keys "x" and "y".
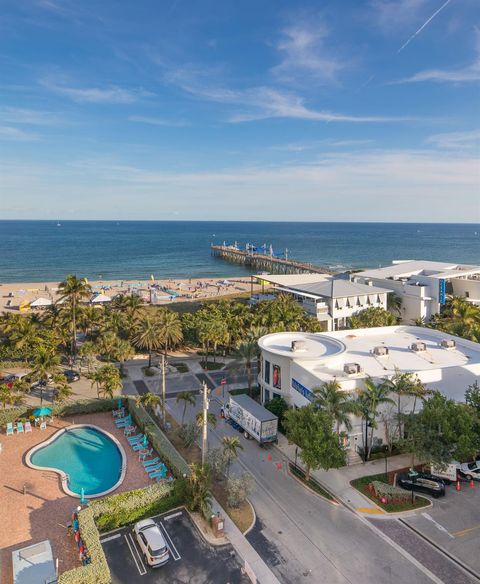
{"x": 40, "y": 302}
{"x": 100, "y": 299}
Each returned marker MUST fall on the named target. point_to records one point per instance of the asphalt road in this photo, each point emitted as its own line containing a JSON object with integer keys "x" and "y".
{"x": 304, "y": 538}
{"x": 192, "y": 560}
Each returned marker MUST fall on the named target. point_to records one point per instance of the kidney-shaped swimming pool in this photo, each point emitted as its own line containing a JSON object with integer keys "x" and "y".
{"x": 85, "y": 456}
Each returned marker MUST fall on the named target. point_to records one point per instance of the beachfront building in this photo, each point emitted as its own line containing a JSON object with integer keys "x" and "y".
{"x": 293, "y": 364}
{"x": 333, "y": 300}
{"x": 424, "y": 285}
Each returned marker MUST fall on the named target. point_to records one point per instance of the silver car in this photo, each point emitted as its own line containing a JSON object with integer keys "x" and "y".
{"x": 151, "y": 542}
{"x": 470, "y": 470}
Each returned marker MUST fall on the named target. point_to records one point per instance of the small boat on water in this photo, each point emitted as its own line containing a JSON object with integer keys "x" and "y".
{"x": 59, "y": 224}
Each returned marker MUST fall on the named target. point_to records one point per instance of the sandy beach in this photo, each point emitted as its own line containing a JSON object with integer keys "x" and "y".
{"x": 17, "y": 297}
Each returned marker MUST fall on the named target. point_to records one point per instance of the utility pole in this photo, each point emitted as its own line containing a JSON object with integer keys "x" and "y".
{"x": 163, "y": 388}
{"x": 205, "y": 422}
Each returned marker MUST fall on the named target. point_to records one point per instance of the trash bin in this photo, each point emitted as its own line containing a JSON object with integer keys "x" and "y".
{"x": 218, "y": 525}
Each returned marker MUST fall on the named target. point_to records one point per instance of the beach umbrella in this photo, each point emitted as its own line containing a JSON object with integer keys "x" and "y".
{"x": 42, "y": 411}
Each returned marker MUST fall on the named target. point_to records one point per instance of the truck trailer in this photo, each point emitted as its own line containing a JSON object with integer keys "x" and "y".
{"x": 255, "y": 420}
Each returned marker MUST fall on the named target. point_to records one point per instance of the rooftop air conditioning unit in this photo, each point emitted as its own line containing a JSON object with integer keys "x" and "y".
{"x": 298, "y": 346}
{"x": 448, "y": 344}
{"x": 418, "y": 346}
{"x": 380, "y": 351}
{"x": 352, "y": 368}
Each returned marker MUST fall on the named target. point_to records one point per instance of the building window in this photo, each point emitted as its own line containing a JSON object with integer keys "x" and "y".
{"x": 277, "y": 377}
{"x": 267, "y": 372}
{"x": 467, "y": 294}
{"x": 266, "y": 395}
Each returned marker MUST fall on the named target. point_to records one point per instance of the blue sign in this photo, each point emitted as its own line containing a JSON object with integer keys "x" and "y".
{"x": 442, "y": 291}
{"x": 302, "y": 390}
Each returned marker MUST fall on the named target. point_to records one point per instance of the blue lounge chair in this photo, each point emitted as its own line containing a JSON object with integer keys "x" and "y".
{"x": 151, "y": 461}
{"x": 10, "y": 429}
{"x": 19, "y": 427}
{"x": 124, "y": 421}
{"x": 154, "y": 468}
{"x": 134, "y": 439}
{"x": 140, "y": 446}
{"x": 160, "y": 473}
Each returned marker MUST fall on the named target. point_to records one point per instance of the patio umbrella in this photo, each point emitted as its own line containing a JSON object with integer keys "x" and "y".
{"x": 42, "y": 412}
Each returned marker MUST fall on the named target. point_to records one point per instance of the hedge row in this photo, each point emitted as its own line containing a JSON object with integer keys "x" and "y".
{"x": 158, "y": 440}
{"x": 97, "y": 572}
{"x": 86, "y": 406}
{"x": 125, "y": 508}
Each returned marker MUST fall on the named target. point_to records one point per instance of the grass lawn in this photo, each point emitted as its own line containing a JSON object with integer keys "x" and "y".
{"x": 312, "y": 483}
{"x": 181, "y": 367}
{"x": 362, "y": 483}
{"x": 211, "y": 366}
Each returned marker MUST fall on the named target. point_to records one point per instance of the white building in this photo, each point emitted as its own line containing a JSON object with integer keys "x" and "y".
{"x": 423, "y": 285}
{"x": 333, "y": 301}
{"x": 293, "y": 364}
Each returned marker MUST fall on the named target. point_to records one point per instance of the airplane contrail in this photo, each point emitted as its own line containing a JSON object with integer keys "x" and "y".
{"x": 426, "y": 23}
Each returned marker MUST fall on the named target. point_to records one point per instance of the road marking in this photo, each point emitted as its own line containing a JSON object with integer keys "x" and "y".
{"x": 172, "y": 516}
{"x": 463, "y": 532}
{"x": 370, "y": 510}
{"x": 110, "y": 538}
{"x": 171, "y": 547}
{"x": 131, "y": 546}
{"x": 437, "y": 525}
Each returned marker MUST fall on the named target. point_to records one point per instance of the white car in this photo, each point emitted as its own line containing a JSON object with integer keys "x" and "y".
{"x": 470, "y": 470}
{"x": 151, "y": 542}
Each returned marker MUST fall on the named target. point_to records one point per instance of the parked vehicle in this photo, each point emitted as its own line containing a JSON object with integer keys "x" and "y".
{"x": 470, "y": 470}
{"x": 71, "y": 375}
{"x": 255, "y": 420}
{"x": 435, "y": 488}
{"x": 151, "y": 542}
{"x": 448, "y": 474}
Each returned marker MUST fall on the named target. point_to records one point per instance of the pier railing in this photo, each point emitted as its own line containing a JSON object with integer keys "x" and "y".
{"x": 265, "y": 262}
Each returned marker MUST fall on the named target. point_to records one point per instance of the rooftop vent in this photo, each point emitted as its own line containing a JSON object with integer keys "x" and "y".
{"x": 380, "y": 351}
{"x": 418, "y": 346}
{"x": 448, "y": 344}
{"x": 298, "y": 346}
{"x": 352, "y": 368}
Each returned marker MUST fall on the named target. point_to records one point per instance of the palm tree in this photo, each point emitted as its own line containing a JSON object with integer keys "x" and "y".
{"x": 62, "y": 389}
{"x": 74, "y": 290}
{"x": 366, "y": 405}
{"x": 148, "y": 400}
{"x": 402, "y": 384}
{"x": 88, "y": 351}
{"x": 211, "y": 419}
{"x": 147, "y": 334}
{"x": 230, "y": 447}
{"x": 394, "y": 304}
{"x": 46, "y": 364}
{"x": 336, "y": 402}
{"x": 247, "y": 352}
{"x": 96, "y": 378}
{"x": 188, "y": 399}
{"x": 198, "y": 489}
{"x": 171, "y": 326}
{"x": 110, "y": 380}
{"x": 7, "y": 397}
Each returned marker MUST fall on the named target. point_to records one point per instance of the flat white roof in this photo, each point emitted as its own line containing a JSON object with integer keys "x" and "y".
{"x": 308, "y": 345}
{"x": 291, "y": 279}
{"x": 409, "y": 268}
{"x": 336, "y": 288}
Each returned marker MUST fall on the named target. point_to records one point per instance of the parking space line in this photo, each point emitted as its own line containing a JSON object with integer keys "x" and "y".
{"x": 168, "y": 517}
{"x": 463, "y": 532}
{"x": 173, "y": 550}
{"x": 111, "y": 537}
{"x": 131, "y": 546}
{"x": 437, "y": 525}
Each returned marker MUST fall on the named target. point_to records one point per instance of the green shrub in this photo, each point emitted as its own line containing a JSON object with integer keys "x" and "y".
{"x": 158, "y": 440}
{"x": 390, "y": 492}
{"x": 125, "y": 508}
{"x": 97, "y": 572}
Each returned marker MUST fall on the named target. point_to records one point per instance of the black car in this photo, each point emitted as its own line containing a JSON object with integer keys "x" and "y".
{"x": 430, "y": 486}
{"x": 71, "y": 375}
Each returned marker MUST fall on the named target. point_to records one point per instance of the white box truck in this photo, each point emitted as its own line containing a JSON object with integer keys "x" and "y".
{"x": 448, "y": 474}
{"x": 255, "y": 420}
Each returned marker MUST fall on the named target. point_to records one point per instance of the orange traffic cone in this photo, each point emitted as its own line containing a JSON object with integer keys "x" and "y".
{"x": 269, "y": 456}
{"x": 472, "y": 486}
{"x": 458, "y": 486}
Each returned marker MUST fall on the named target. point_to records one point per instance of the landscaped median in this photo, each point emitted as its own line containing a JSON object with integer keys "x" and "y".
{"x": 388, "y": 497}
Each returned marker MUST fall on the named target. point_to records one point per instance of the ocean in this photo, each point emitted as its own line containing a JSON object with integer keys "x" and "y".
{"x": 35, "y": 251}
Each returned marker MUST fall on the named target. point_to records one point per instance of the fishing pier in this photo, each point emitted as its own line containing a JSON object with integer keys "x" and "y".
{"x": 265, "y": 260}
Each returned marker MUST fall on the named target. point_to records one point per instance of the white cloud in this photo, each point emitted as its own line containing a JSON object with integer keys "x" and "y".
{"x": 14, "y": 115}
{"x": 111, "y": 94}
{"x": 16, "y": 135}
{"x": 468, "y": 74}
{"x": 395, "y": 15}
{"x": 158, "y": 121}
{"x": 418, "y": 185}
{"x": 305, "y": 55}
{"x": 456, "y": 140}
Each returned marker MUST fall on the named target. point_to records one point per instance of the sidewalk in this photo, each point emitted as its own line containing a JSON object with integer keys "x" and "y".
{"x": 337, "y": 481}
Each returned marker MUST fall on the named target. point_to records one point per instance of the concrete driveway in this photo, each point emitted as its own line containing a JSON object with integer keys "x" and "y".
{"x": 192, "y": 560}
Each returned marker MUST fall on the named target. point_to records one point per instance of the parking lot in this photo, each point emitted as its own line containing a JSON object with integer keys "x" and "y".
{"x": 454, "y": 523}
{"x": 192, "y": 560}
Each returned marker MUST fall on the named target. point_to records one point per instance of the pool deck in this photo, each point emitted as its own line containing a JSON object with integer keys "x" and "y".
{"x": 44, "y": 510}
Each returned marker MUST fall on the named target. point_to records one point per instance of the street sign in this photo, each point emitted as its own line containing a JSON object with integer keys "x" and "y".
{"x": 223, "y": 381}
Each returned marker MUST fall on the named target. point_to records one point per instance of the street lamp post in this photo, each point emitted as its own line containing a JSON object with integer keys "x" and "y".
{"x": 296, "y": 453}
{"x": 206, "y": 403}
{"x": 163, "y": 389}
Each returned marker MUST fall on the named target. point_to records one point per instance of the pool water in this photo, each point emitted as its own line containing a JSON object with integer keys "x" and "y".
{"x": 89, "y": 457}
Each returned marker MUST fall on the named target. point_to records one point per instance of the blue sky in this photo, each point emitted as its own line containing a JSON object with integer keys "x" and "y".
{"x": 346, "y": 110}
